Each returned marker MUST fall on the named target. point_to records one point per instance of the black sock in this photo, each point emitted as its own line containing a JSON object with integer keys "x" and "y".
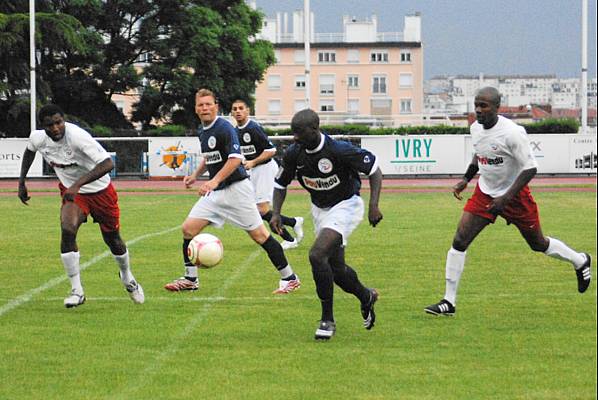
{"x": 285, "y": 234}
{"x": 346, "y": 278}
{"x": 188, "y": 262}
{"x": 267, "y": 216}
{"x": 275, "y": 253}
{"x": 325, "y": 289}
{"x": 288, "y": 221}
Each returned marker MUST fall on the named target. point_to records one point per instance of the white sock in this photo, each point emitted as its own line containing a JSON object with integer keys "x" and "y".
{"x": 455, "y": 262}
{"x": 191, "y": 271}
{"x": 123, "y": 262}
{"x": 71, "y": 267}
{"x": 561, "y": 251}
{"x": 286, "y": 272}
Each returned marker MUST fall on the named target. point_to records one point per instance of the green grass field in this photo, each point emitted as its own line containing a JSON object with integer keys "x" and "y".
{"x": 521, "y": 330}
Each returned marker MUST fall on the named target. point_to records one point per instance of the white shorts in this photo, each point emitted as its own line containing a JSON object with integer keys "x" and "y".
{"x": 342, "y": 218}
{"x": 234, "y": 203}
{"x": 262, "y": 178}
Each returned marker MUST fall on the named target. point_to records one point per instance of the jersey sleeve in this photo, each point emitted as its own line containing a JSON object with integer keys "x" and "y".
{"x": 359, "y": 159}
{"x": 288, "y": 168}
{"x": 521, "y": 149}
{"x": 263, "y": 139}
{"x": 90, "y": 147}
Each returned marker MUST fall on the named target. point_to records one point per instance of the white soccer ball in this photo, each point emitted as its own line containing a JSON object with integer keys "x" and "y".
{"x": 205, "y": 250}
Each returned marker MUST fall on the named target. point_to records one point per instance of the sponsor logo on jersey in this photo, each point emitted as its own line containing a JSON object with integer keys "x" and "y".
{"x": 490, "y": 161}
{"x": 246, "y": 150}
{"x": 246, "y": 137}
{"x": 325, "y": 165}
{"x": 212, "y": 157}
{"x": 212, "y": 142}
{"x": 321, "y": 183}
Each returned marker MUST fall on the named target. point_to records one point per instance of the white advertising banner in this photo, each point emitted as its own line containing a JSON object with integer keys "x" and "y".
{"x": 172, "y": 156}
{"x": 11, "y": 154}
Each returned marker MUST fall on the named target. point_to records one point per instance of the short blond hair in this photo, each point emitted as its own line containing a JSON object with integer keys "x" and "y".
{"x": 205, "y": 93}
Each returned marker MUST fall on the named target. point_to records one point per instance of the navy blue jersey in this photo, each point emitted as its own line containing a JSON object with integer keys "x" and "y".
{"x": 217, "y": 143}
{"x": 330, "y": 173}
{"x": 253, "y": 140}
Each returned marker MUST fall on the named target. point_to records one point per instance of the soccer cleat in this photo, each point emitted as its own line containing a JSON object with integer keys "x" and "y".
{"x": 286, "y": 245}
{"x": 74, "y": 299}
{"x": 584, "y": 274}
{"x": 367, "y": 310}
{"x": 182, "y": 284}
{"x": 442, "y": 308}
{"x": 285, "y": 287}
{"x": 325, "y": 330}
{"x": 298, "y": 228}
{"x": 135, "y": 292}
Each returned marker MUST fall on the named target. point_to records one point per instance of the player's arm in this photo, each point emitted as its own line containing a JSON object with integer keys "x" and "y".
{"x": 28, "y": 158}
{"x": 266, "y": 156}
{"x": 472, "y": 170}
{"x": 285, "y": 175}
{"x": 278, "y": 197}
{"x": 374, "y": 214}
{"x": 199, "y": 171}
{"x": 498, "y": 204}
{"x": 96, "y": 173}
{"x": 231, "y": 164}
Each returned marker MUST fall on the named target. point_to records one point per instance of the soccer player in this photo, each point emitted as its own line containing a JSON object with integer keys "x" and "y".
{"x": 329, "y": 170}
{"x": 82, "y": 166}
{"x": 226, "y": 196}
{"x": 503, "y": 156}
{"x": 258, "y": 152}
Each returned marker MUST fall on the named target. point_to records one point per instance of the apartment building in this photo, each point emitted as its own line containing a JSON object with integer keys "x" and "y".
{"x": 359, "y": 75}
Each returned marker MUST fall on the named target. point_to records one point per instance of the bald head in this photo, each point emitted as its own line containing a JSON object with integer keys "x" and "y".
{"x": 306, "y": 128}
{"x": 490, "y": 94}
{"x": 487, "y": 101}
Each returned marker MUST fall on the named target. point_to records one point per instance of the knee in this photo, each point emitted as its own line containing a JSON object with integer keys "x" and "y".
{"x": 539, "y": 245}
{"x": 459, "y": 243}
{"x": 68, "y": 229}
{"x": 317, "y": 256}
{"x": 189, "y": 230}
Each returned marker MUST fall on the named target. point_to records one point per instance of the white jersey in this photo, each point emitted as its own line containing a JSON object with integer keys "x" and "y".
{"x": 502, "y": 151}
{"x": 73, "y": 156}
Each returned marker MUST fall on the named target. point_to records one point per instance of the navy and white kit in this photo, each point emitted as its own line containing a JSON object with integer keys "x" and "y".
{"x": 330, "y": 173}
{"x": 234, "y": 199}
{"x": 254, "y": 141}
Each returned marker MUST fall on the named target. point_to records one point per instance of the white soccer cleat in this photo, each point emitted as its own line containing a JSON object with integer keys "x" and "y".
{"x": 286, "y": 287}
{"x": 74, "y": 299}
{"x": 286, "y": 245}
{"x": 298, "y": 228}
{"x": 135, "y": 292}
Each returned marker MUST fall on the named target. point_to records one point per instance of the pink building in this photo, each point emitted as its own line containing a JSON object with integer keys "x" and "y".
{"x": 357, "y": 76}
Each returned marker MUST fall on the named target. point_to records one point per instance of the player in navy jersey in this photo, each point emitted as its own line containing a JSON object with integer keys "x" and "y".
{"x": 329, "y": 171}
{"x": 226, "y": 196}
{"x": 258, "y": 152}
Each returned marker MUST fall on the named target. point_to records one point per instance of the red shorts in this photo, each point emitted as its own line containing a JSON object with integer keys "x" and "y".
{"x": 521, "y": 210}
{"x": 103, "y": 207}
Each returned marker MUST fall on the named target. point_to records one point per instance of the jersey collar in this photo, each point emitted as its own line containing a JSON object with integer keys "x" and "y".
{"x": 246, "y": 123}
{"x": 212, "y": 124}
{"x": 320, "y": 146}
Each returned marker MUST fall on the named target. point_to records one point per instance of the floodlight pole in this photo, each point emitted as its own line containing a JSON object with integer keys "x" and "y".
{"x": 306, "y": 39}
{"x": 32, "y": 94}
{"x": 583, "y": 90}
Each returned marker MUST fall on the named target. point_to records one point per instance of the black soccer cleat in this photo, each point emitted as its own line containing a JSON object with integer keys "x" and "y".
{"x": 584, "y": 274}
{"x": 325, "y": 330}
{"x": 367, "y": 310}
{"x": 442, "y": 308}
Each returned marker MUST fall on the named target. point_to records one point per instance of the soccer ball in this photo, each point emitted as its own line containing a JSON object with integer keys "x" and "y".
{"x": 205, "y": 250}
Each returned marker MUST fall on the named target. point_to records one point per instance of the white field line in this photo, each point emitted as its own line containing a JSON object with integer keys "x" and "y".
{"x": 27, "y": 296}
{"x": 178, "y": 340}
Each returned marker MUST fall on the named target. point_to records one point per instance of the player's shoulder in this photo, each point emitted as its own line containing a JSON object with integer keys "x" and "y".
{"x": 75, "y": 130}
{"x": 338, "y": 145}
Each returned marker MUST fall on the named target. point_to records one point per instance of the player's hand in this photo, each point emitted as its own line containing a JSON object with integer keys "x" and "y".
{"x": 276, "y": 223}
{"x": 374, "y": 216}
{"x": 207, "y": 187}
{"x": 498, "y": 205}
{"x": 70, "y": 193}
{"x": 23, "y": 194}
{"x": 188, "y": 181}
{"x": 248, "y": 164}
{"x": 458, "y": 188}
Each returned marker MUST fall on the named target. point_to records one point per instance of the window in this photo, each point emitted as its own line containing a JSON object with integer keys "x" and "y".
{"x": 299, "y": 82}
{"x": 300, "y": 105}
{"x": 274, "y": 82}
{"x": 353, "y": 56}
{"x": 274, "y": 107}
{"x": 327, "y": 84}
{"x": 299, "y": 56}
{"x": 353, "y": 81}
{"x": 405, "y": 80}
{"x": 406, "y": 106}
{"x": 381, "y": 106}
{"x": 406, "y": 57}
{"x": 379, "y": 56}
{"x": 353, "y": 106}
{"x": 327, "y": 105}
{"x": 326, "y": 57}
{"x": 379, "y": 84}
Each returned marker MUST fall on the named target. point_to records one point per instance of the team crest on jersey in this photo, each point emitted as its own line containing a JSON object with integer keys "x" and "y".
{"x": 212, "y": 142}
{"x": 494, "y": 146}
{"x": 366, "y": 159}
{"x": 321, "y": 183}
{"x": 246, "y": 137}
{"x": 247, "y": 150}
{"x": 212, "y": 157}
{"x": 325, "y": 165}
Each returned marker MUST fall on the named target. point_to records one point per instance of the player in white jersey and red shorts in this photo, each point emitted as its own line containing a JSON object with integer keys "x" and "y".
{"x": 503, "y": 156}
{"x": 82, "y": 166}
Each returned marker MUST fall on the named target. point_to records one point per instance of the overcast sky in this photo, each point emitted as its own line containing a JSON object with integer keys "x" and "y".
{"x": 474, "y": 36}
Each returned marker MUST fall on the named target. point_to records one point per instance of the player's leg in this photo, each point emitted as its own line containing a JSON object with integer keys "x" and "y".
{"x": 468, "y": 229}
{"x": 121, "y": 256}
{"x": 557, "y": 249}
{"x": 346, "y": 278}
{"x": 71, "y": 218}
{"x": 288, "y": 279}
{"x": 266, "y": 214}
